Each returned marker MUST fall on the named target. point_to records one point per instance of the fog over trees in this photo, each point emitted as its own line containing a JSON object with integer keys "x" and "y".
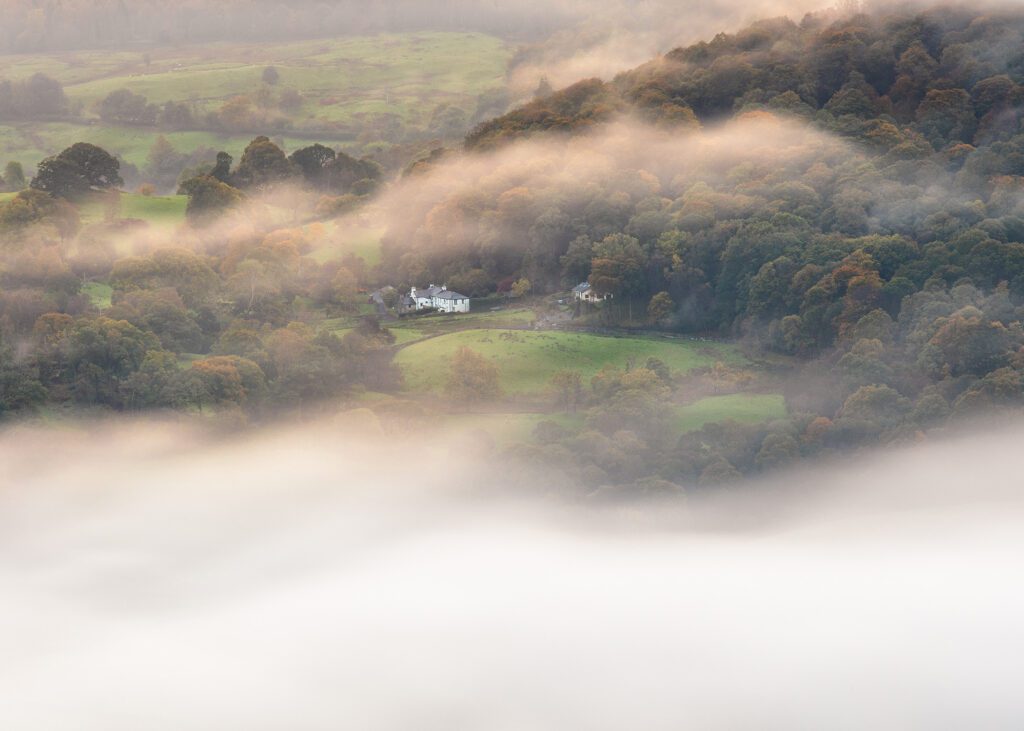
{"x": 839, "y": 192}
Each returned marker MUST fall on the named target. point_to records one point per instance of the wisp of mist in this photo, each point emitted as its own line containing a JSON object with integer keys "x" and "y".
{"x": 305, "y": 578}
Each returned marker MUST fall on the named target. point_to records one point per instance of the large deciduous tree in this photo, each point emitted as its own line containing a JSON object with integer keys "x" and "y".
{"x": 78, "y": 170}
{"x": 263, "y": 165}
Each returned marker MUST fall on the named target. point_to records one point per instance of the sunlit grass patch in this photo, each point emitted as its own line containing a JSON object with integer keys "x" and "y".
{"x": 99, "y": 294}
{"x": 527, "y": 359}
{"x": 746, "y": 408}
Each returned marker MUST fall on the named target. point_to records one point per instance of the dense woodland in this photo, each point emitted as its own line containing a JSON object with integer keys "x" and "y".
{"x": 893, "y": 269}
{"x": 229, "y": 296}
{"x": 843, "y": 195}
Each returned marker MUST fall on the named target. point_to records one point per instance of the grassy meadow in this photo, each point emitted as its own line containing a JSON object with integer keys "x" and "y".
{"x": 746, "y": 408}
{"x": 527, "y": 359}
{"x": 156, "y": 210}
{"x": 348, "y": 86}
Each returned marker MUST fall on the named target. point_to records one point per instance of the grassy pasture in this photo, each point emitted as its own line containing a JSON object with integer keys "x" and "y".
{"x": 347, "y": 85}
{"x": 157, "y": 210}
{"x": 528, "y": 359}
{"x": 746, "y": 408}
{"x": 99, "y": 293}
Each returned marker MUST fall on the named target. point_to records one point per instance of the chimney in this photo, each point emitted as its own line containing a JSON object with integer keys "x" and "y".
{"x": 412, "y": 293}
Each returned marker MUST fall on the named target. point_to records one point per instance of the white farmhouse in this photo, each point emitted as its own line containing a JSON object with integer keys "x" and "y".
{"x": 437, "y": 298}
{"x": 583, "y": 291}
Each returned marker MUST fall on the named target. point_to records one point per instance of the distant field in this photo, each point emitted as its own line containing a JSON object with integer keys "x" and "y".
{"x": 746, "y": 408}
{"x": 528, "y": 359}
{"x": 168, "y": 209}
{"x": 348, "y": 85}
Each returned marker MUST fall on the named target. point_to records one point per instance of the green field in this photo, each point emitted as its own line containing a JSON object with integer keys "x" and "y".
{"x": 746, "y": 408}
{"x": 159, "y": 210}
{"x": 99, "y": 294}
{"x": 349, "y": 87}
{"x": 510, "y": 428}
{"x": 527, "y": 359}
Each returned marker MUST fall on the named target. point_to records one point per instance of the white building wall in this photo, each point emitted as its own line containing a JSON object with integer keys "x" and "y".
{"x": 449, "y": 305}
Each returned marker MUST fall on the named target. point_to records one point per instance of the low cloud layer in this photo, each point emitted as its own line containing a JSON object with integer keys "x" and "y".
{"x": 306, "y": 579}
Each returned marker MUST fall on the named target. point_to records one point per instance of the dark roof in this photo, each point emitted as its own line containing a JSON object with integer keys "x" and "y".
{"x": 449, "y": 295}
{"x": 581, "y": 287}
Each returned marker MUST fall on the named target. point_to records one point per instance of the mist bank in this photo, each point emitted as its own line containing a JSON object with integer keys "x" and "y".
{"x": 308, "y": 577}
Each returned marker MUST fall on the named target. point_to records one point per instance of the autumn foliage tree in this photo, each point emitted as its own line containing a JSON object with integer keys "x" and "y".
{"x": 472, "y": 377}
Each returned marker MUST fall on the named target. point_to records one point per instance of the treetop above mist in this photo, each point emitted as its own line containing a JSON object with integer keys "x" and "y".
{"x": 945, "y": 76}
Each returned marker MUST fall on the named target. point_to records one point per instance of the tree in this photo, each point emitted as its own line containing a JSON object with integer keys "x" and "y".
{"x": 34, "y": 207}
{"x": 521, "y": 287}
{"x": 568, "y": 387}
{"x": 38, "y": 97}
{"x": 187, "y": 272}
{"x": 270, "y": 76}
{"x": 777, "y": 450}
{"x": 20, "y": 388}
{"x": 719, "y": 472}
{"x": 472, "y": 377}
{"x": 344, "y": 286}
{"x": 94, "y": 356}
{"x": 222, "y": 168}
{"x": 659, "y": 308}
{"x": 263, "y": 164}
{"x": 871, "y": 410}
{"x": 175, "y": 115}
{"x": 14, "y": 176}
{"x": 78, "y": 170}
{"x": 968, "y": 343}
{"x": 223, "y": 380}
{"x": 344, "y": 172}
{"x": 125, "y": 107}
{"x": 946, "y": 115}
{"x": 313, "y": 161}
{"x": 544, "y": 88}
{"x": 208, "y": 199}
{"x": 576, "y": 260}
{"x": 163, "y": 313}
{"x": 472, "y": 283}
